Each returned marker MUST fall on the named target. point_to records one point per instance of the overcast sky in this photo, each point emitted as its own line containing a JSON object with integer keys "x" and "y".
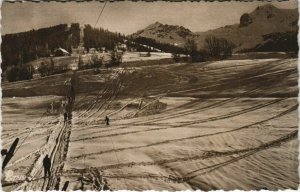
{"x": 127, "y": 17}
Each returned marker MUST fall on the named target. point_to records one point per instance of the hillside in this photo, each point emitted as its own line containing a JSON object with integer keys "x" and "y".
{"x": 254, "y": 30}
{"x": 262, "y": 21}
{"x": 173, "y": 127}
{"x": 171, "y": 34}
{"x": 27, "y": 46}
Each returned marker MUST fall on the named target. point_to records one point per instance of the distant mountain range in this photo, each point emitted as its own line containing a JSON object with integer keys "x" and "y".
{"x": 171, "y": 34}
{"x": 260, "y": 29}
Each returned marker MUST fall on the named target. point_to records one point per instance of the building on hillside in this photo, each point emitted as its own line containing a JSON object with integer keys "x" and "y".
{"x": 61, "y": 52}
{"x": 121, "y": 46}
{"x": 142, "y": 54}
{"x": 92, "y": 51}
{"x": 103, "y": 49}
{"x": 73, "y": 66}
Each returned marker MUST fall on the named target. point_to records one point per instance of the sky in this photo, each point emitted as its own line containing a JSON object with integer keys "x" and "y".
{"x": 128, "y": 17}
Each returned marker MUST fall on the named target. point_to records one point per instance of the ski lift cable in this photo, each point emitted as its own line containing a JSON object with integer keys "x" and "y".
{"x": 30, "y": 132}
{"x": 100, "y": 13}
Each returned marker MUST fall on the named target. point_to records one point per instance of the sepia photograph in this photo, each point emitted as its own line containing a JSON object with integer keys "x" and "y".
{"x": 149, "y": 95}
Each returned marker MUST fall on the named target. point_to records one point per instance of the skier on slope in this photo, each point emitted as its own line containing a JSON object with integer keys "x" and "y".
{"x": 47, "y": 166}
{"x": 106, "y": 120}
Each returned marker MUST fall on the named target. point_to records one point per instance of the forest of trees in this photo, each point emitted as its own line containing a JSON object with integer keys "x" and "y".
{"x": 98, "y": 38}
{"x": 219, "y": 48}
{"x": 23, "y": 47}
{"x": 279, "y": 41}
{"x": 214, "y": 49}
{"x": 165, "y": 47}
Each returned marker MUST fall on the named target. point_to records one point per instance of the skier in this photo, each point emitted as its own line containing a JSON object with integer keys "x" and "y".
{"x": 62, "y": 104}
{"x": 47, "y": 166}
{"x": 70, "y": 117}
{"x": 106, "y": 120}
{"x": 52, "y": 107}
{"x": 106, "y": 186}
{"x": 56, "y": 188}
{"x": 70, "y": 100}
{"x": 65, "y": 117}
{"x": 65, "y": 186}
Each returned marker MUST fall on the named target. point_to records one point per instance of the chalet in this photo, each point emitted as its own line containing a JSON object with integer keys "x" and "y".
{"x": 61, "y": 52}
{"x": 92, "y": 51}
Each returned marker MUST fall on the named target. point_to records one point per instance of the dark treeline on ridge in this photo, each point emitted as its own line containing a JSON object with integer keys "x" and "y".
{"x": 165, "y": 47}
{"x": 99, "y": 38}
{"x": 23, "y": 47}
{"x": 278, "y": 41}
{"x": 20, "y": 48}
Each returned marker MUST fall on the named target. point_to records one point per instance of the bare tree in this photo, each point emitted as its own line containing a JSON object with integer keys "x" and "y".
{"x": 191, "y": 49}
{"x": 226, "y": 48}
{"x": 219, "y": 48}
{"x": 213, "y": 46}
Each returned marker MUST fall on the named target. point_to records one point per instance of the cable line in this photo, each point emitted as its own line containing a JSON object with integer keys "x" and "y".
{"x": 100, "y": 13}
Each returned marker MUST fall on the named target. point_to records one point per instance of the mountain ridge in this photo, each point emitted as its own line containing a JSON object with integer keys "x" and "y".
{"x": 172, "y": 34}
{"x": 246, "y": 35}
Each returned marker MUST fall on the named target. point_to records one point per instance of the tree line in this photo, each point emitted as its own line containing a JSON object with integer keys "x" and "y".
{"x": 27, "y": 46}
{"x": 96, "y": 61}
{"x": 20, "y": 48}
{"x": 278, "y": 42}
{"x": 98, "y": 38}
{"x": 214, "y": 49}
{"x": 137, "y": 42}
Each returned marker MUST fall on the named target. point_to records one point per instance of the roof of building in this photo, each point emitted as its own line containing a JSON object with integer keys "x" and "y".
{"x": 63, "y": 50}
